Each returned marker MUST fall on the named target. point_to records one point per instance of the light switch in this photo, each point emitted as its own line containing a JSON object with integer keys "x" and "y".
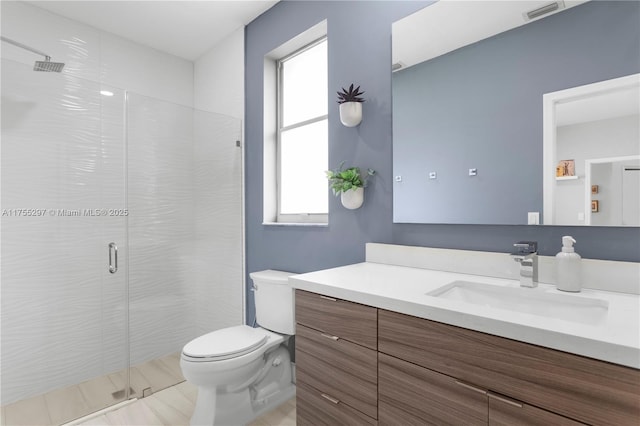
{"x": 473, "y": 172}
{"x": 533, "y": 218}
{"x": 398, "y": 178}
{"x": 433, "y": 175}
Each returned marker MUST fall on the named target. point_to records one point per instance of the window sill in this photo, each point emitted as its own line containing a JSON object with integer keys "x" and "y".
{"x": 302, "y": 224}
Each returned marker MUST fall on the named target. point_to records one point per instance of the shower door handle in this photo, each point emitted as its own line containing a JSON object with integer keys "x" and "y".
{"x": 113, "y": 260}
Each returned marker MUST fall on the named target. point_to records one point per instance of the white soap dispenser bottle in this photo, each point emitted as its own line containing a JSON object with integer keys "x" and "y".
{"x": 568, "y": 267}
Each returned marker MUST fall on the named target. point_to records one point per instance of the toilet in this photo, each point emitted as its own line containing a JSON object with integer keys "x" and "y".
{"x": 241, "y": 371}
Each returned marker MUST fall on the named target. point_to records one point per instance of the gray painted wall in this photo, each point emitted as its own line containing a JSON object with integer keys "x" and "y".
{"x": 359, "y": 35}
{"x": 481, "y": 107}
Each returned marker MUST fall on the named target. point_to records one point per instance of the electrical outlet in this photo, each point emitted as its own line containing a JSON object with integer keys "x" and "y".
{"x": 533, "y": 218}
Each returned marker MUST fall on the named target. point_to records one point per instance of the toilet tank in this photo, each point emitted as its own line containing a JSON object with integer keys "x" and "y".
{"x": 274, "y": 300}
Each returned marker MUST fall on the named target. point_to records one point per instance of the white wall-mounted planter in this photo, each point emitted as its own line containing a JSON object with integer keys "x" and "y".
{"x": 353, "y": 198}
{"x": 351, "y": 113}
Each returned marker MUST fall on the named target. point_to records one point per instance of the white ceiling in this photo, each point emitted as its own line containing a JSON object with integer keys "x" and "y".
{"x": 186, "y": 29}
{"x": 612, "y": 104}
{"x": 451, "y": 24}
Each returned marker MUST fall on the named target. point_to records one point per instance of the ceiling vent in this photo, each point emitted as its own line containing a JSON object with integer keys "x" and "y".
{"x": 398, "y": 65}
{"x": 544, "y": 10}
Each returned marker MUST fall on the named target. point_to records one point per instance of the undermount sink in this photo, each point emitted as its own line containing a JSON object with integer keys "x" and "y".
{"x": 525, "y": 300}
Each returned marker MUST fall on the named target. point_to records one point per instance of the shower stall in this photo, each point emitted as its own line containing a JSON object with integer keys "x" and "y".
{"x": 121, "y": 240}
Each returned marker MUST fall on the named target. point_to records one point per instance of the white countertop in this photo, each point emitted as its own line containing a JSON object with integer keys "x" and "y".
{"x": 615, "y": 338}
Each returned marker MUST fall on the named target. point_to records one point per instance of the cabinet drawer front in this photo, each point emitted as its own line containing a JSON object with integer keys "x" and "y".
{"x": 352, "y": 359}
{"x": 426, "y": 397}
{"x": 314, "y": 409}
{"x": 507, "y": 412}
{"x": 389, "y": 415}
{"x": 341, "y": 369}
{"x": 584, "y": 389}
{"x": 347, "y": 320}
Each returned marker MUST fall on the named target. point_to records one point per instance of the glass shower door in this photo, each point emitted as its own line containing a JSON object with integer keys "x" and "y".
{"x": 64, "y": 306}
{"x": 185, "y": 233}
{"x": 161, "y": 234}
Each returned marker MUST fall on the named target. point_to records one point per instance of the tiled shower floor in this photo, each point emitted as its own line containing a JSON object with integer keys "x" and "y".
{"x": 63, "y": 405}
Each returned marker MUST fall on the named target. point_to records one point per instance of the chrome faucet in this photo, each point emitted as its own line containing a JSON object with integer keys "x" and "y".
{"x": 526, "y": 255}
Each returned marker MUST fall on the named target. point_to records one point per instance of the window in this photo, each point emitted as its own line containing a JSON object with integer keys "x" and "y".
{"x": 296, "y": 130}
{"x": 303, "y": 134}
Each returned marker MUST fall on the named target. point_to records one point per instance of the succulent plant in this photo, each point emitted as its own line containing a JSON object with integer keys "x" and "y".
{"x": 351, "y": 95}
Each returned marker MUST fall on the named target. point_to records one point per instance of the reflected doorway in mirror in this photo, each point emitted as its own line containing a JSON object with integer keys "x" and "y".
{"x": 596, "y": 126}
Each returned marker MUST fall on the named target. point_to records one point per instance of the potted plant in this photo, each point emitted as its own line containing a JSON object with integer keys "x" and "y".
{"x": 349, "y": 184}
{"x": 350, "y": 106}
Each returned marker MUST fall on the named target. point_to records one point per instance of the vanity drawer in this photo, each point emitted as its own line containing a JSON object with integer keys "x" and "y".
{"x": 347, "y": 320}
{"x": 507, "y": 412}
{"x": 339, "y": 368}
{"x": 584, "y": 389}
{"x": 413, "y": 395}
{"x": 312, "y": 408}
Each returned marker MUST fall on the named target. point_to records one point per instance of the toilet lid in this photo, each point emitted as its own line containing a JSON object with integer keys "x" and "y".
{"x": 227, "y": 343}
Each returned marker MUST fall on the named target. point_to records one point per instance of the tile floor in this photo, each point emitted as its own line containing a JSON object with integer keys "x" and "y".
{"x": 173, "y": 407}
{"x": 170, "y": 404}
{"x": 63, "y": 405}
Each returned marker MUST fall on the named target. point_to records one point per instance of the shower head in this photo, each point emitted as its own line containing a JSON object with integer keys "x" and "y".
{"x": 48, "y": 66}
{"x": 45, "y": 65}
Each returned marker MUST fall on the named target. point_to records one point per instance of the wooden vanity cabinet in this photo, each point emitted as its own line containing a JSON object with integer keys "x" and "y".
{"x": 561, "y": 384}
{"x": 336, "y": 361}
{"x": 413, "y": 395}
{"x": 356, "y": 364}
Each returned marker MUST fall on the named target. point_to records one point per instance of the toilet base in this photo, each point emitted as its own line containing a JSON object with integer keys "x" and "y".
{"x": 238, "y": 410}
{"x": 230, "y": 406}
{"x": 274, "y": 401}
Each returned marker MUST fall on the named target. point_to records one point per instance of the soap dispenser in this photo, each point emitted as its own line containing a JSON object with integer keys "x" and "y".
{"x": 568, "y": 267}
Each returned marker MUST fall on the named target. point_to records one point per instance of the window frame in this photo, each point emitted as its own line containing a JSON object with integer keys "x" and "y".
{"x": 294, "y": 218}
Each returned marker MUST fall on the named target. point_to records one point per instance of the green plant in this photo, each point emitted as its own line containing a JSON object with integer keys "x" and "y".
{"x": 351, "y": 95}
{"x": 342, "y": 180}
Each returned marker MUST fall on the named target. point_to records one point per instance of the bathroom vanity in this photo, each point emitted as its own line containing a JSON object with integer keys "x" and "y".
{"x": 376, "y": 345}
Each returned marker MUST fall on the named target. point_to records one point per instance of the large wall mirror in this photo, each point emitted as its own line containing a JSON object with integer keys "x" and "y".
{"x": 470, "y": 83}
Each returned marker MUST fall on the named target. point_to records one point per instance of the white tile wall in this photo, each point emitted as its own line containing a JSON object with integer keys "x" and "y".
{"x": 145, "y": 71}
{"x": 219, "y": 88}
{"x": 219, "y": 77}
{"x": 161, "y": 227}
{"x": 95, "y": 55}
{"x": 54, "y": 157}
{"x": 75, "y": 44}
{"x": 63, "y": 313}
{"x": 218, "y": 232}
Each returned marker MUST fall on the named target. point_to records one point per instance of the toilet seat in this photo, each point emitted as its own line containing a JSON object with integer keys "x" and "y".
{"x": 227, "y": 343}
